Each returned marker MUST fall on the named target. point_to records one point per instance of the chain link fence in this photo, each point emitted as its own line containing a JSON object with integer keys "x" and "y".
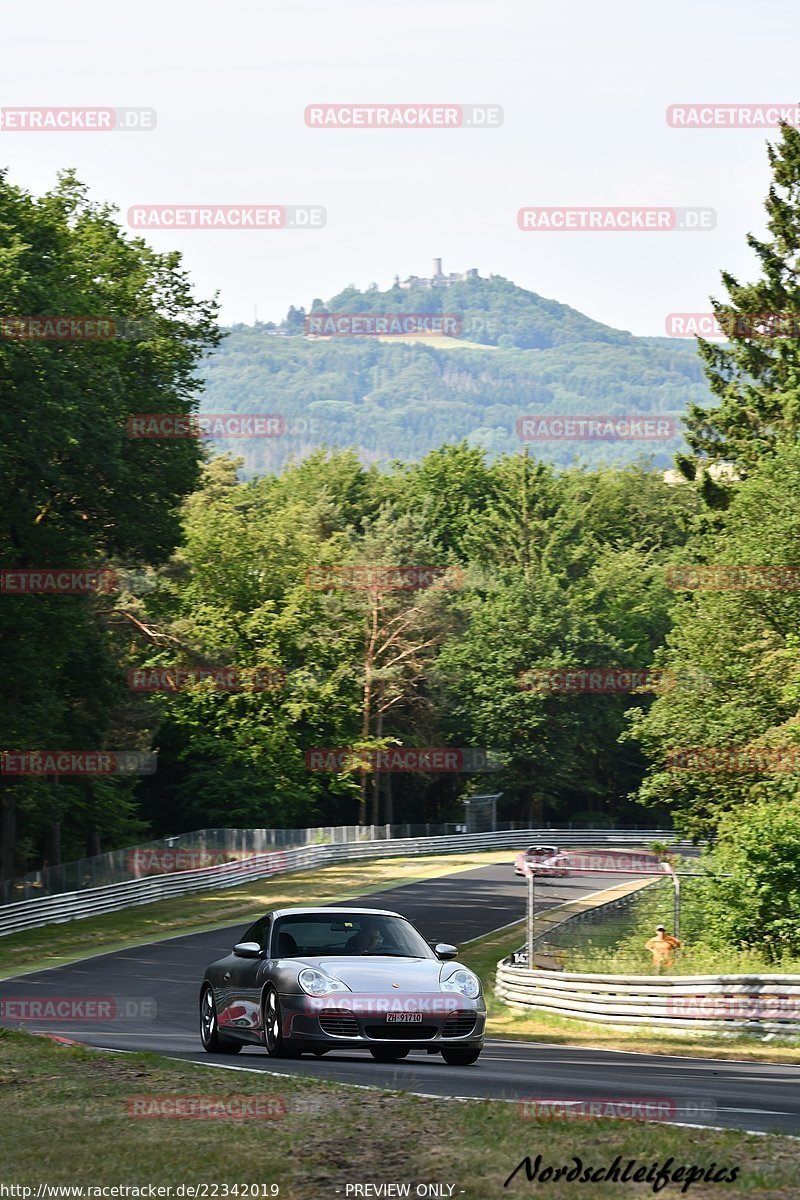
{"x": 211, "y": 847}
{"x": 589, "y": 940}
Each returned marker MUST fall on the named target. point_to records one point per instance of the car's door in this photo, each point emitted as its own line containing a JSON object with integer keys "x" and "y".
{"x": 242, "y": 982}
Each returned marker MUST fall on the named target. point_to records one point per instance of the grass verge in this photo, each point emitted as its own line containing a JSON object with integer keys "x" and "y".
{"x": 66, "y": 1120}
{"x": 482, "y": 956}
{"x": 52, "y": 945}
{"x": 617, "y": 944}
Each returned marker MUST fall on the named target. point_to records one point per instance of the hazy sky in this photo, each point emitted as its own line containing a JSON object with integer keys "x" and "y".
{"x": 584, "y": 88}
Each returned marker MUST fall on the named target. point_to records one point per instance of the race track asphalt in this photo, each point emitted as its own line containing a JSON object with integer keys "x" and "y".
{"x": 155, "y": 990}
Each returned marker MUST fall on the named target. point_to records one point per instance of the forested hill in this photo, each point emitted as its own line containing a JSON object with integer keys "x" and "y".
{"x": 515, "y": 354}
{"x": 494, "y": 312}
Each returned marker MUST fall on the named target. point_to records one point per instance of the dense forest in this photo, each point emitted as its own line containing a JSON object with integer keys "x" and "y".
{"x": 268, "y": 603}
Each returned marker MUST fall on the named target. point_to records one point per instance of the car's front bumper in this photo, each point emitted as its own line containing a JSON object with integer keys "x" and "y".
{"x": 339, "y": 1024}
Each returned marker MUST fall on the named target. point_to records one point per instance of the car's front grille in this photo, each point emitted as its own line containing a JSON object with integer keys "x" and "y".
{"x": 459, "y": 1024}
{"x": 401, "y": 1033}
{"x": 342, "y": 1024}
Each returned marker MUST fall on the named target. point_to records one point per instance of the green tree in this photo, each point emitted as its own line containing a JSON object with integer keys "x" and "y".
{"x": 400, "y": 631}
{"x": 564, "y": 572}
{"x": 733, "y": 651}
{"x": 75, "y": 490}
{"x": 235, "y": 597}
{"x": 757, "y": 906}
{"x": 755, "y": 375}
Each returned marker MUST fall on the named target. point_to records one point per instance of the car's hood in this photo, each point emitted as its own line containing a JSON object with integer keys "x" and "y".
{"x": 376, "y": 974}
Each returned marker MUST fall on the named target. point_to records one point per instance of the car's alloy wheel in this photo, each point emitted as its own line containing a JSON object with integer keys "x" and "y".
{"x": 209, "y": 1033}
{"x": 460, "y": 1058}
{"x": 387, "y": 1053}
{"x": 274, "y": 1040}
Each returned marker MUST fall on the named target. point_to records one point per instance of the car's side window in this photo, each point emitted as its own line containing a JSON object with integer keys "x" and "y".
{"x": 259, "y": 932}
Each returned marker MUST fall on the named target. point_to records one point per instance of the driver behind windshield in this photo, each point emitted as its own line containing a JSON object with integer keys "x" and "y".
{"x": 369, "y": 937}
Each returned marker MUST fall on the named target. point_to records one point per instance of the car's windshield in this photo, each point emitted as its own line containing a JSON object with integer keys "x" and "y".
{"x": 305, "y": 935}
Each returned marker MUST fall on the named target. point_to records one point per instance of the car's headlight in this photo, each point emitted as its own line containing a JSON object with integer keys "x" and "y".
{"x": 464, "y": 982}
{"x": 317, "y": 983}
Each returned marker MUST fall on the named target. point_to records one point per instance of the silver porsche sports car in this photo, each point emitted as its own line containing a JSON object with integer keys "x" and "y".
{"x": 319, "y": 979}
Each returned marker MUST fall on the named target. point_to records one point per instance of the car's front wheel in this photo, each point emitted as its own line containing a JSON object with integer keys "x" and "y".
{"x": 388, "y": 1054}
{"x": 209, "y": 1033}
{"x": 274, "y": 1041}
{"x": 460, "y": 1058}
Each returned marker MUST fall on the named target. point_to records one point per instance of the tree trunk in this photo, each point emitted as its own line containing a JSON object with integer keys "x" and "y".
{"x": 8, "y": 834}
{"x": 526, "y": 528}
{"x": 52, "y": 846}
{"x": 370, "y": 640}
{"x": 389, "y": 804}
{"x": 376, "y": 775}
{"x": 535, "y": 812}
{"x": 366, "y": 715}
{"x": 376, "y": 798}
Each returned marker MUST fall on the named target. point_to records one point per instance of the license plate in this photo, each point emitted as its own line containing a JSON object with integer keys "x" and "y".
{"x": 404, "y": 1018}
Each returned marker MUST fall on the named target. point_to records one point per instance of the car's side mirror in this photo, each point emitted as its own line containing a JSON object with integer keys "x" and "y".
{"x": 248, "y": 950}
{"x": 444, "y": 951}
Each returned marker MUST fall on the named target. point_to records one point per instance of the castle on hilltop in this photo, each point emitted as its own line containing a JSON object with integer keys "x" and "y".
{"x": 437, "y": 279}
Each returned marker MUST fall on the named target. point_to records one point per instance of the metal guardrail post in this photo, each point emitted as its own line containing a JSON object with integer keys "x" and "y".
{"x": 531, "y": 917}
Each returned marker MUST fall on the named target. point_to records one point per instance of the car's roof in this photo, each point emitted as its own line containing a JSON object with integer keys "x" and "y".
{"x": 326, "y": 910}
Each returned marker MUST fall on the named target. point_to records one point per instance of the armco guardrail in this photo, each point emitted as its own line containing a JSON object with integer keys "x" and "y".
{"x": 209, "y": 847}
{"x": 71, "y": 906}
{"x": 680, "y": 1003}
{"x": 195, "y": 848}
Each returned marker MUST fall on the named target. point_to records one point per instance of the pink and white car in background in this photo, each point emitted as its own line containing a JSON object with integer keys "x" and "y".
{"x": 543, "y": 860}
